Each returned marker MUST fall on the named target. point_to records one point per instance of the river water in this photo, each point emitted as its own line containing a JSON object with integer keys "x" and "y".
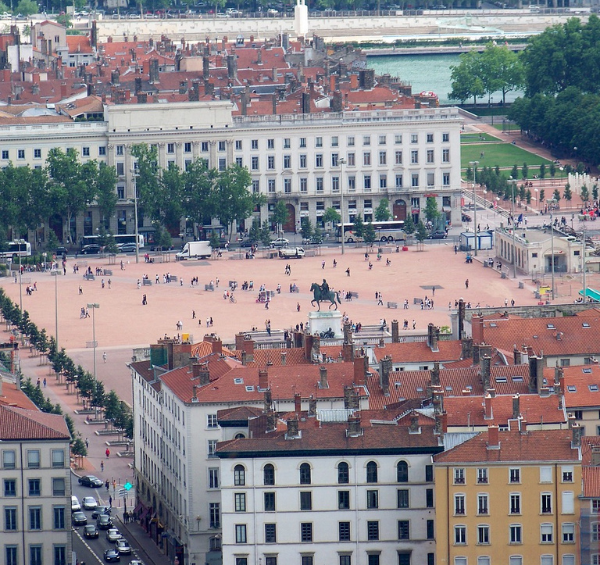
{"x": 424, "y": 73}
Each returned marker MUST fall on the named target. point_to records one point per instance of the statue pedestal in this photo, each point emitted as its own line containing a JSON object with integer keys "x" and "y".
{"x": 322, "y": 321}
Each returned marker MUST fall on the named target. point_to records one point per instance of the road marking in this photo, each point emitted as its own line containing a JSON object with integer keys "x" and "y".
{"x": 87, "y": 545}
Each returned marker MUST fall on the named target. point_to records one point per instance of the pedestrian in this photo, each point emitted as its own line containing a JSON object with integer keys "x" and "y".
{"x": 106, "y": 484}
{"x": 348, "y": 271}
{"x": 87, "y": 443}
{"x": 39, "y": 383}
{"x": 334, "y": 263}
{"x": 80, "y": 290}
{"x": 102, "y": 469}
{"x": 122, "y": 266}
{"x": 433, "y": 290}
{"x": 467, "y": 283}
{"x": 45, "y": 382}
{"x": 298, "y": 307}
{"x": 267, "y": 306}
{"x": 322, "y": 264}
{"x": 109, "y": 283}
{"x": 193, "y": 314}
{"x": 104, "y": 356}
{"x": 144, "y": 301}
{"x": 110, "y": 500}
{"x": 414, "y": 325}
{"x": 211, "y": 321}
{"x": 107, "y": 452}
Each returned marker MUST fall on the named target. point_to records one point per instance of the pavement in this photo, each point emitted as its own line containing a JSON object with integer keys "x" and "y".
{"x": 122, "y": 323}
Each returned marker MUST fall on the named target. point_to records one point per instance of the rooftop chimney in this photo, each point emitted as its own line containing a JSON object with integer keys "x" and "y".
{"x": 536, "y": 374}
{"x": 414, "y": 425}
{"x": 359, "y": 369}
{"x": 263, "y": 379}
{"x": 384, "y": 376}
{"x": 283, "y": 357}
{"x": 354, "y": 428}
{"x": 485, "y": 367}
{"x": 477, "y": 329}
{"x": 200, "y": 371}
{"x": 312, "y": 406}
{"x": 271, "y": 421}
{"x": 347, "y": 396}
{"x": 297, "y": 403}
{"x": 267, "y": 400}
{"x": 516, "y": 406}
{"x": 493, "y": 439}
{"x": 488, "y": 411}
{"x": 466, "y": 348}
{"x": 292, "y": 429}
{"x": 249, "y": 349}
{"x": 323, "y": 382}
{"x": 577, "y": 432}
{"x": 435, "y": 374}
{"x": 395, "y": 331}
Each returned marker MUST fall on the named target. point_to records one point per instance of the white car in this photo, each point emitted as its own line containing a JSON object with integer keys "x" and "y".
{"x": 75, "y": 506}
{"x": 113, "y": 535}
{"x": 280, "y": 242}
{"x": 89, "y": 503}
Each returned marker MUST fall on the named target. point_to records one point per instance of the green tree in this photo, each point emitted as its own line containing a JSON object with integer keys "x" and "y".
{"x": 557, "y": 195}
{"x": 215, "y": 242}
{"x": 232, "y": 199}
{"x": 421, "y": 233}
{"x": 27, "y": 7}
{"x": 542, "y": 171}
{"x": 170, "y": 196}
{"x": 106, "y": 193}
{"x": 369, "y": 234}
{"x": 524, "y": 171}
{"x": 567, "y": 194}
{"x": 409, "y": 225}
{"x": 466, "y": 78}
{"x": 146, "y": 179}
{"x": 359, "y": 226}
{"x": 254, "y": 232}
{"x": 552, "y": 169}
{"x": 595, "y": 192}
{"x": 198, "y": 185}
{"x": 382, "y": 212}
{"x": 265, "y": 234}
{"x": 584, "y": 193}
{"x": 542, "y": 195}
{"x": 306, "y": 228}
{"x": 51, "y": 241}
{"x": 332, "y": 215}
{"x": 431, "y": 210}
{"x": 514, "y": 173}
{"x": 501, "y": 70}
{"x": 522, "y": 192}
{"x": 528, "y": 196}
{"x": 78, "y": 448}
{"x": 280, "y": 215}
{"x": 112, "y": 406}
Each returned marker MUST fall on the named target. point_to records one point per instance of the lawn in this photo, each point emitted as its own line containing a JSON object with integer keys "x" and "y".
{"x": 505, "y": 155}
{"x": 508, "y": 127}
{"x": 477, "y": 138}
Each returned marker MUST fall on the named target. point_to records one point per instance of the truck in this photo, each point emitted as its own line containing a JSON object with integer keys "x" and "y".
{"x": 291, "y": 253}
{"x": 195, "y": 250}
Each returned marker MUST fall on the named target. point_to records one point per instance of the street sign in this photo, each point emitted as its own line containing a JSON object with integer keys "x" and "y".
{"x": 127, "y": 486}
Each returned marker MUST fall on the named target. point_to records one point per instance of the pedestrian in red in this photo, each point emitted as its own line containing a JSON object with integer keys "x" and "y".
{"x": 107, "y": 453}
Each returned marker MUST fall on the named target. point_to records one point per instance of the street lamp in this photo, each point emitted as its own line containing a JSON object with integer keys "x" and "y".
{"x": 135, "y": 210}
{"x": 552, "y": 251}
{"x": 514, "y": 227}
{"x": 93, "y": 306}
{"x": 492, "y": 109}
{"x": 55, "y": 274}
{"x": 583, "y": 265}
{"x": 342, "y": 162}
{"x": 474, "y": 165}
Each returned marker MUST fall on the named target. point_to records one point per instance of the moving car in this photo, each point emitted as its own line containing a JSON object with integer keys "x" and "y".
{"x": 438, "y": 234}
{"x": 280, "y": 242}
{"x": 291, "y": 253}
{"x": 89, "y": 503}
{"x": 75, "y": 506}
{"x": 113, "y": 535}
{"x": 100, "y": 510}
{"x": 79, "y": 519}
{"x": 91, "y": 249}
{"x": 90, "y": 481}
{"x": 104, "y": 522}
{"x": 90, "y": 531}
{"x": 127, "y": 248}
{"x": 112, "y": 556}
{"x": 123, "y": 547}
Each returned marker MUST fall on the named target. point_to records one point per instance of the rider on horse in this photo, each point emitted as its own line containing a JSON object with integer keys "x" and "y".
{"x": 324, "y": 288}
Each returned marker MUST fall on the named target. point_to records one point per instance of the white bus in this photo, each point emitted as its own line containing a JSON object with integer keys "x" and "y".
{"x": 119, "y": 239}
{"x": 385, "y": 232}
{"x": 17, "y": 248}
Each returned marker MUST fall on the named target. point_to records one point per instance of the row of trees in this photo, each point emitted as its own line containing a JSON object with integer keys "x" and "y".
{"x": 496, "y": 69}
{"x": 65, "y": 186}
{"x": 76, "y": 378}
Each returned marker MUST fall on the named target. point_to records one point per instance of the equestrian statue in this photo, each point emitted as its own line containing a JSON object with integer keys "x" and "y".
{"x": 321, "y": 293}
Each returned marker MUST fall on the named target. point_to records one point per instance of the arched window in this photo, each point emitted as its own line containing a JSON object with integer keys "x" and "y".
{"x": 269, "y": 474}
{"x": 371, "y": 472}
{"x": 402, "y": 472}
{"x": 239, "y": 436}
{"x": 343, "y": 474}
{"x": 305, "y": 474}
{"x": 239, "y": 476}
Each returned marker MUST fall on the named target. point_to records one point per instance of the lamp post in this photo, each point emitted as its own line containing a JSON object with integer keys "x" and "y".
{"x": 20, "y": 287}
{"x": 342, "y": 162}
{"x": 492, "y": 109}
{"x": 55, "y": 275}
{"x": 552, "y": 251}
{"x": 583, "y": 265}
{"x": 135, "y": 212}
{"x": 474, "y": 165}
{"x": 514, "y": 227}
{"x": 93, "y": 306}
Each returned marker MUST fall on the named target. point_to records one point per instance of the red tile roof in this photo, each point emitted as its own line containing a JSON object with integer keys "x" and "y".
{"x": 532, "y": 446}
{"x": 12, "y": 395}
{"x": 581, "y": 385}
{"x": 21, "y": 424}
{"x": 590, "y": 472}
{"x": 419, "y": 351}
{"x": 264, "y": 357}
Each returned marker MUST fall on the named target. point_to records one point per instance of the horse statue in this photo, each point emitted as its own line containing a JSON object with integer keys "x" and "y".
{"x": 319, "y": 296}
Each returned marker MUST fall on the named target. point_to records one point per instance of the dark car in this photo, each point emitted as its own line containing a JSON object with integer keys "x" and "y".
{"x": 104, "y": 522}
{"x": 90, "y": 481}
{"x": 91, "y": 249}
{"x": 127, "y": 248}
{"x": 90, "y": 531}
{"x": 112, "y": 556}
{"x": 438, "y": 234}
{"x": 101, "y": 510}
{"x": 79, "y": 519}
{"x": 60, "y": 251}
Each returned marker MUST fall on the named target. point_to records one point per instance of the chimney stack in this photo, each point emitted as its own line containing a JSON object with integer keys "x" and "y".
{"x": 485, "y": 367}
{"x": 354, "y": 428}
{"x": 268, "y": 400}
{"x": 385, "y": 368}
{"x": 395, "y": 331}
{"x": 283, "y": 358}
{"x": 312, "y": 406}
{"x": 323, "y": 382}
{"x": 292, "y": 429}
{"x": 414, "y": 425}
{"x": 516, "y": 406}
{"x": 435, "y": 374}
{"x": 577, "y": 432}
{"x": 271, "y": 421}
{"x": 263, "y": 379}
{"x": 200, "y": 370}
{"x": 493, "y": 438}
{"x": 297, "y": 403}
{"x": 489, "y": 412}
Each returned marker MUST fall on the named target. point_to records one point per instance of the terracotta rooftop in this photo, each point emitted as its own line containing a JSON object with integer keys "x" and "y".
{"x": 420, "y": 352}
{"x": 21, "y": 424}
{"x": 590, "y": 472}
{"x": 12, "y": 395}
{"x": 532, "y": 446}
{"x": 581, "y": 385}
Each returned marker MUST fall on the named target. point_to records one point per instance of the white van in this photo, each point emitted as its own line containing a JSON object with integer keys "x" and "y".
{"x": 75, "y": 506}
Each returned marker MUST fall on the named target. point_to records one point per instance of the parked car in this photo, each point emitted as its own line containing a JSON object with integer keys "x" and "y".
{"x": 438, "y": 234}
{"x": 127, "y": 248}
{"x": 60, "y": 251}
{"x": 89, "y": 503}
{"x": 113, "y": 535}
{"x": 90, "y": 531}
{"x": 75, "y": 506}
{"x": 112, "y": 556}
{"x": 104, "y": 522}
{"x": 90, "y": 481}
{"x": 280, "y": 242}
{"x": 123, "y": 547}
{"x": 79, "y": 519}
{"x": 101, "y": 510}
{"x": 91, "y": 249}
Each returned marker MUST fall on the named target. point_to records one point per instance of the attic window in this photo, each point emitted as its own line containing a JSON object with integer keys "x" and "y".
{"x": 501, "y": 380}
{"x": 535, "y": 337}
{"x": 587, "y": 371}
{"x": 449, "y": 388}
{"x": 397, "y": 384}
{"x": 593, "y": 388}
{"x": 249, "y": 388}
{"x": 493, "y": 325}
{"x": 469, "y": 387}
{"x": 238, "y": 381}
{"x": 551, "y": 326}
{"x": 517, "y": 379}
{"x": 419, "y": 389}
{"x": 585, "y": 325}
{"x": 571, "y": 388}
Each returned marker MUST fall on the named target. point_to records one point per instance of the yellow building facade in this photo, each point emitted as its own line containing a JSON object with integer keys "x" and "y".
{"x": 509, "y": 498}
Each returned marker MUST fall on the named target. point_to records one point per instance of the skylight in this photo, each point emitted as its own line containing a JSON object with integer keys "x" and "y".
{"x": 585, "y": 325}
{"x": 501, "y": 380}
{"x": 249, "y": 389}
{"x": 593, "y": 388}
{"x": 517, "y": 379}
{"x": 571, "y": 388}
{"x": 587, "y": 371}
{"x": 551, "y": 326}
{"x": 238, "y": 381}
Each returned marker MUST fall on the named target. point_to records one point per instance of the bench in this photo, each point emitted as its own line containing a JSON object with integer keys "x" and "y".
{"x": 392, "y": 305}
{"x": 146, "y": 282}
{"x": 107, "y": 273}
{"x": 417, "y": 301}
{"x": 173, "y": 278}
{"x": 89, "y": 277}
{"x": 209, "y": 287}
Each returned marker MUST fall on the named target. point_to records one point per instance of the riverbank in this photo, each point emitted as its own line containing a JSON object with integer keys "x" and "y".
{"x": 416, "y": 49}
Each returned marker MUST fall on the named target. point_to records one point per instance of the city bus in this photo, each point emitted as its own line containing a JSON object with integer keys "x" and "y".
{"x": 16, "y": 248}
{"x": 119, "y": 239}
{"x": 385, "y": 232}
